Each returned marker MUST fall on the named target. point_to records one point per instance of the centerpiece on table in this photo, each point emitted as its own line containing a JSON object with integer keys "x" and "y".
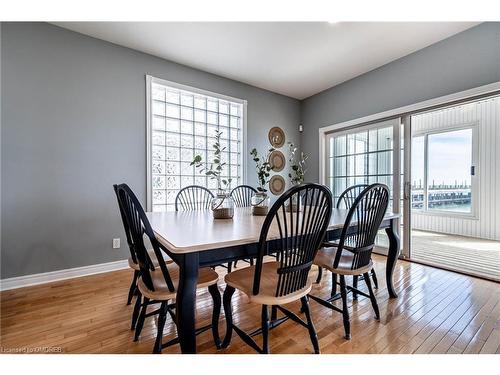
{"x": 260, "y": 200}
{"x": 222, "y": 204}
{"x": 296, "y": 174}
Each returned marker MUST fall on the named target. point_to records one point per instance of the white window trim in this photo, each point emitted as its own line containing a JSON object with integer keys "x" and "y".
{"x": 475, "y": 187}
{"x": 149, "y": 133}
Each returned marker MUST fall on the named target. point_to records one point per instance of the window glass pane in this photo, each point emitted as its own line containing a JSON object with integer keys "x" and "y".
{"x": 158, "y": 92}
{"x": 340, "y": 166}
{"x": 372, "y": 140}
{"x": 200, "y": 102}
{"x": 173, "y": 96}
{"x": 384, "y": 165}
{"x": 173, "y": 110}
{"x": 158, "y": 108}
{"x": 351, "y": 144}
{"x": 187, "y": 99}
{"x": 173, "y": 125}
{"x": 448, "y": 168}
{"x": 340, "y": 145}
{"x": 385, "y": 138}
{"x": 223, "y": 107}
{"x": 360, "y": 165}
{"x": 361, "y": 142}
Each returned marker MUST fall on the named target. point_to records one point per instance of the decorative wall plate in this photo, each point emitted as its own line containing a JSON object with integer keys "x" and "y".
{"x": 277, "y": 184}
{"x": 276, "y": 137}
{"x": 277, "y": 161}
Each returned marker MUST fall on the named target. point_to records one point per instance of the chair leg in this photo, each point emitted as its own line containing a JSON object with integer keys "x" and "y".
{"x": 137, "y": 309}
{"x": 354, "y": 285}
{"x": 142, "y": 317}
{"x": 372, "y": 296}
{"x": 334, "y": 284}
{"x": 251, "y": 261}
{"x": 235, "y": 264}
{"x": 274, "y": 313}
{"x": 320, "y": 275}
{"x": 133, "y": 286}
{"x": 345, "y": 311}
{"x": 214, "y": 292}
{"x": 162, "y": 317}
{"x": 374, "y": 277}
{"x": 310, "y": 325}
{"x": 265, "y": 330}
{"x": 228, "y": 312}
{"x": 230, "y": 267}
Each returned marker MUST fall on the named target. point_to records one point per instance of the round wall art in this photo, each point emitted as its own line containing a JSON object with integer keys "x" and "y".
{"x": 277, "y": 185}
{"x": 276, "y": 137}
{"x": 277, "y": 161}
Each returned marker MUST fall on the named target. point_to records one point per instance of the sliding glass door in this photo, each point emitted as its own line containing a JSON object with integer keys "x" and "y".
{"x": 442, "y": 169}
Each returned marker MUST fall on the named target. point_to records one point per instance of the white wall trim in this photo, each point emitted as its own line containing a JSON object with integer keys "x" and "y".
{"x": 398, "y": 112}
{"x": 70, "y": 273}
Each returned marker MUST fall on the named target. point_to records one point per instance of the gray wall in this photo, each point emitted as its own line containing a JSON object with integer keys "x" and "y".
{"x": 73, "y": 123}
{"x": 463, "y": 61}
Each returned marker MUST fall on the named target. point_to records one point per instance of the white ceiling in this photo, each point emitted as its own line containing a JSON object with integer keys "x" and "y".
{"x": 297, "y": 59}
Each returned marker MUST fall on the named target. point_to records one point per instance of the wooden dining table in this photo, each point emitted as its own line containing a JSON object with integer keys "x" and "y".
{"x": 194, "y": 239}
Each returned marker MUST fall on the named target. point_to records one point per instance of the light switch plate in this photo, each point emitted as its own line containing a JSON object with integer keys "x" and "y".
{"x": 116, "y": 243}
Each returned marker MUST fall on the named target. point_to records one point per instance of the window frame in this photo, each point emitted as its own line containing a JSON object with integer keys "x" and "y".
{"x": 395, "y": 173}
{"x": 474, "y": 212}
{"x": 150, "y": 80}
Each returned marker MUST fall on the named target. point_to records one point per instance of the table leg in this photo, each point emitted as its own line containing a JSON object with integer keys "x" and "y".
{"x": 186, "y": 301}
{"x": 392, "y": 256}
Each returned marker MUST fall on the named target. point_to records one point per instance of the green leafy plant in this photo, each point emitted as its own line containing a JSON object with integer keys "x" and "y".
{"x": 214, "y": 169}
{"x": 263, "y": 168}
{"x": 297, "y": 165}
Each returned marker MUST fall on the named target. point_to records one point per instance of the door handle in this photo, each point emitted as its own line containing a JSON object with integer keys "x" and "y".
{"x": 406, "y": 190}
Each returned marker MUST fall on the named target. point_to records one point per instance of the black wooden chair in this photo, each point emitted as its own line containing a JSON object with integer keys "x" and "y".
{"x": 286, "y": 279}
{"x": 132, "y": 259}
{"x": 242, "y": 196}
{"x": 346, "y": 201}
{"x": 192, "y": 198}
{"x": 158, "y": 281}
{"x": 352, "y": 254}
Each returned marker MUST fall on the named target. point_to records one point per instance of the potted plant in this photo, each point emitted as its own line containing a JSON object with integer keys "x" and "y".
{"x": 260, "y": 201}
{"x": 297, "y": 172}
{"x": 222, "y": 204}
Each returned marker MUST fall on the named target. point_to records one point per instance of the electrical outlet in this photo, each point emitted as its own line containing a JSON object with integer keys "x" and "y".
{"x": 116, "y": 243}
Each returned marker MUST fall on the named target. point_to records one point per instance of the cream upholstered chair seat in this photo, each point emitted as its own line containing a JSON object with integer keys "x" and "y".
{"x": 242, "y": 280}
{"x": 206, "y": 277}
{"x": 326, "y": 257}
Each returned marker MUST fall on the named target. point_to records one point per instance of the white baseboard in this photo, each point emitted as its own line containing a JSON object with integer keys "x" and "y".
{"x": 48, "y": 277}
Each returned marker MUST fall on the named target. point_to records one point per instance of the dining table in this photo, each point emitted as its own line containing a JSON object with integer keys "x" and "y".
{"x": 194, "y": 239}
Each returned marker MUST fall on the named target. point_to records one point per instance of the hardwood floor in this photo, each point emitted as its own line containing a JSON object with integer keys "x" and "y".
{"x": 437, "y": 312}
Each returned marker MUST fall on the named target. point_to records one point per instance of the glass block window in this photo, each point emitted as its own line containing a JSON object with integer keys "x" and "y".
{"x": 183, "y": 123}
